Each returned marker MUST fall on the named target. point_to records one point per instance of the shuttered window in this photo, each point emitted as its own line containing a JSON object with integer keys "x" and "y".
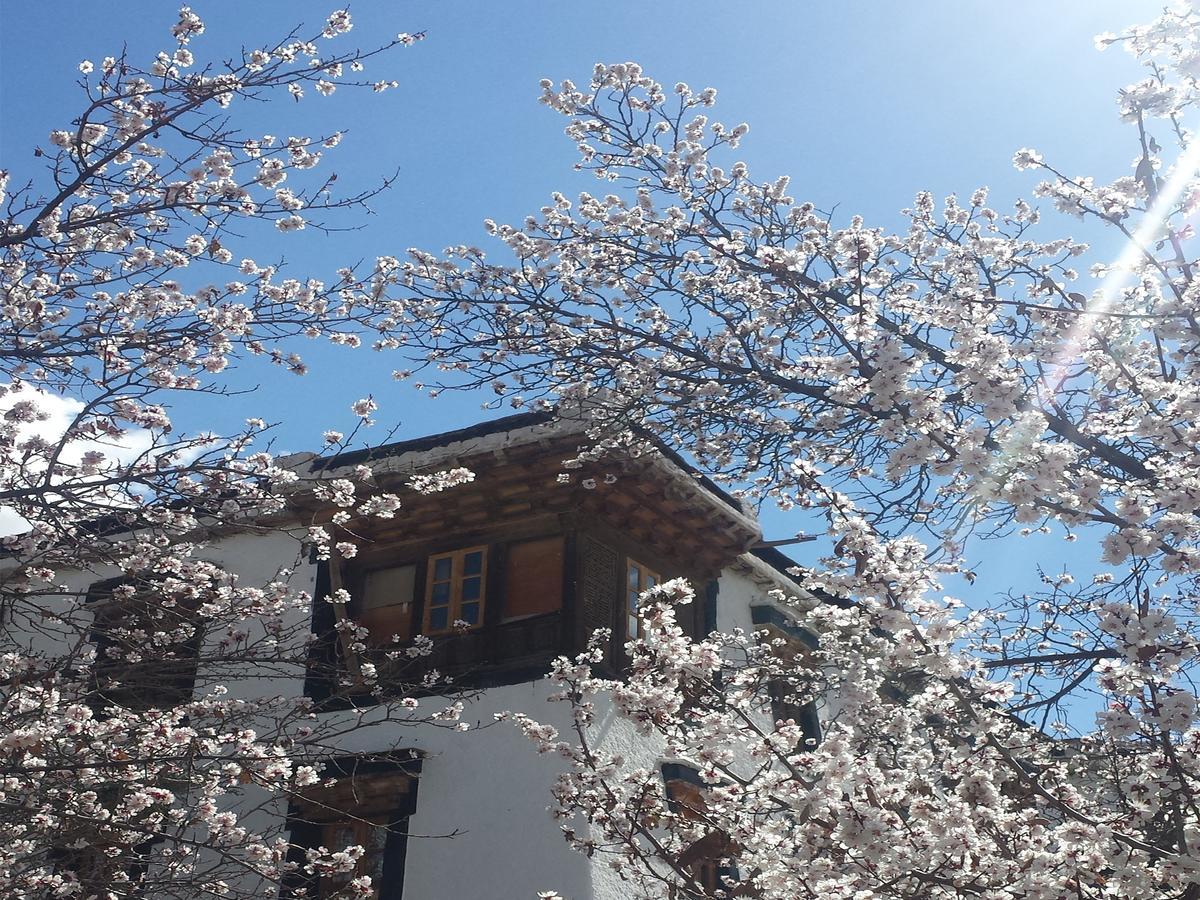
{"x": 385, "y": 604}
{"x": 365, "y": 804}
{"x": 687, "y": 797}
{"x": 533, "y": 579}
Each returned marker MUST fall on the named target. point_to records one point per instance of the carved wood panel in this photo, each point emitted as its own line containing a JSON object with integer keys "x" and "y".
{"x": 599, "y": 576}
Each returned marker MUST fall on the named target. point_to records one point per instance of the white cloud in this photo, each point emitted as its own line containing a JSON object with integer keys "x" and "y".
{"x": 54, "y": 415}
{"x": 10, "y": 522}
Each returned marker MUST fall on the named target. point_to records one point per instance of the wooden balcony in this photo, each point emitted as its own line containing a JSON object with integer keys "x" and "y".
{"x": 506, "y": 653}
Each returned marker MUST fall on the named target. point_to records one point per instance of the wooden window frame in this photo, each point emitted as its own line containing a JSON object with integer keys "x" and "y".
{"x": 687, "y": 796}
{"x": 361, "y": 829}
{"x": 647, "y": 578}
{"x": 311, "y": 819}
{"x": 455, "y": 603}
{"x": 170, "y": 678}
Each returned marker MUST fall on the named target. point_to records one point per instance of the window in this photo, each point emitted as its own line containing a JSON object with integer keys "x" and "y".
{"x": 687, "y": 797}
{"x": 533, "y": 579}
{"x": 454, "y": 589}
{"x": 96, "y": 872}
{"x": 509, "y": 594}
{"x": 362, "y": 802}
{"x": 367, "y": 831}
{"x": 638, "y": 578}
{"x": 146, "y": 649}
{"x": 385, "y": 604}
{"x": 791, "y": 697}
{"x": 786, "y": 706}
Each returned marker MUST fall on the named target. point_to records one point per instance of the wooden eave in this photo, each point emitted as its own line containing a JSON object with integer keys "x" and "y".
{"x": 648, "y": 498}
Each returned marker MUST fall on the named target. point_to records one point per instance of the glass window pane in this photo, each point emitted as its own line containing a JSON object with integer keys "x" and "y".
{"x": 372, "y": 861}
{"x": 634, "y": 576}
{"x": 471, "y": 588}
{"x": 441, "y": 569}
{"x": 338, "y": 836}
{"x": 439, "y": 618}
{"x": 440, "y": 594}
{"x": 470, "y": 613}
{"x": 473, "y": 563}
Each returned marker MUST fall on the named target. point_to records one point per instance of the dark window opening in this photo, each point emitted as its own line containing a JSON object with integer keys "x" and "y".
{"x": 785, "y": 706}
{"x": 706, "y": 858}
{"x": 96, "y": 872}
{"x": 361, "y": 801}
{"x": 147, "y": 646}
{"x": 709, "y": 623}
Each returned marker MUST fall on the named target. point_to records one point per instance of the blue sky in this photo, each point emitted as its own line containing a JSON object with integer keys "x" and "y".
{"x": 862, "y": 103}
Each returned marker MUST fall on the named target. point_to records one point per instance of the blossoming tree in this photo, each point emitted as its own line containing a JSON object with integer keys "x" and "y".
{"x": 917, "y": 391}
{"x": 127, "y": 280}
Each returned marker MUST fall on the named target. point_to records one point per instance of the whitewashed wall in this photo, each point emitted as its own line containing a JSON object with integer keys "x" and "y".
{"x": 492, "y": 787}
{"x": 488, "y": 787}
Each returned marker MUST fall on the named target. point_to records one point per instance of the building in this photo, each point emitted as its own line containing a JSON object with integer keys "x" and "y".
{"x": 529, "y": 558}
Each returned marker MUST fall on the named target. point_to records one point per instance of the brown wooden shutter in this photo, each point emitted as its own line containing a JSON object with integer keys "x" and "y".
{"x": 533, "y": 578}
{"x": 383, "y": 602}
{"x": 709, "y": 614}
{"x": 690, "y": 616}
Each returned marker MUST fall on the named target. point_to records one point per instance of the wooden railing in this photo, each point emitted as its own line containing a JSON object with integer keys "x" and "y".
{"x": 506, "y": 653}
{"x": 503, "y": 653}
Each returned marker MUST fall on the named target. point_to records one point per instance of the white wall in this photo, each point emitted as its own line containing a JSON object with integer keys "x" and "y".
{"x": 488, "y": 787}
{"x": 493, "y": 787}
{"x": 736, "y": 593}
